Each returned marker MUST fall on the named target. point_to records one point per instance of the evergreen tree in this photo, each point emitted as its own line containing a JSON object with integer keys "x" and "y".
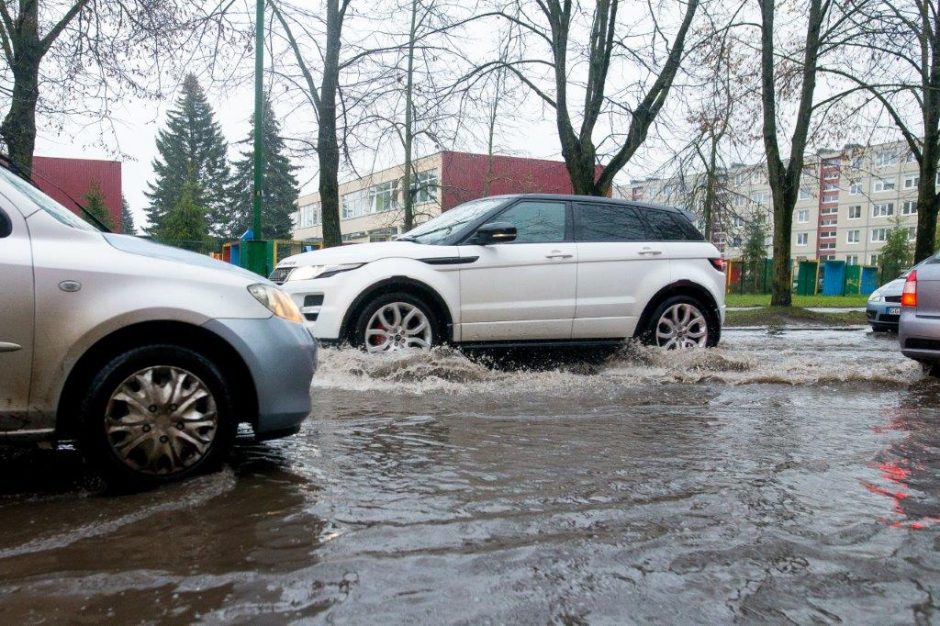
{"x": 94, "y": 204}
{"x": 192, "y": 157}
{"x": 897, "y": 254}
{"x": 184, "y": 225}
{"x": 754, "y": 254}
{"x": 127, "y": 219}
{"x": 279, "y": 189}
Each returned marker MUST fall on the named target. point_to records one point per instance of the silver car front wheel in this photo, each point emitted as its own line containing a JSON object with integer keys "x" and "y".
{"x": 161, "y": 420}
{"x": 682, "y": 326}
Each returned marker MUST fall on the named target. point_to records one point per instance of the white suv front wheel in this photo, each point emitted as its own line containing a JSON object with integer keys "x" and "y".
{"x": 394, "y": 322}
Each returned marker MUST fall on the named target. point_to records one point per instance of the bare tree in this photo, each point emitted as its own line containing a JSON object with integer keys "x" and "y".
{"x": 324, "y": 99}
{"x": 896, "y": 59}
{"x": 827, "y": 25}
{"x": 82, "y": 50}
{"x": 553, "y": 26}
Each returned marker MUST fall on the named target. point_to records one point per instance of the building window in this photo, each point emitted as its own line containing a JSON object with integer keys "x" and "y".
{"x": 884, "y": 184}
{"x": 855, "y": 188}
{"x": 911, "y": 233}
{"x": 382, "y": 197}
{"x": 873, "y": 259}
{"x": 910, "y": 182}
{"x": 831, "y": 210}
{"x": 879, "y": 234}
{"x": 802, "y": 216}
{"x": 888, "y": 157}
{"x": 740, "y": 179}
{"x": 909, "y": 157}
{"x": 909, "y": 207}
{"x": 851, "y": 259}
{"x": 805, "y": 193}
{"x": 802, "y": 239}
{"x": 855, "y": 211}
{"x": 309, "y": 215}
{"x": 830, "y": 196}
{"x": 827, "y": 234}
{"x": 857, "y": 162}
{"x": 831, "y": 162}
{"x": 829, "y": 221}
{"x": 424, "y": 187}
{"x": 882, "y": 209}
{"x": 853, "y": 236}
{"x": 759, "y": 197}
{"x": 832, "y": 174}
{"x": 827, "y": 246}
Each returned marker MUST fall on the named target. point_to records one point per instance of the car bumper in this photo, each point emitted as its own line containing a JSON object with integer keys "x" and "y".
{"x": 281, "y": 357}
{"x": 883, "y": 313}
{"x": 323, "y": 303}
{"x": 919, "y": 336}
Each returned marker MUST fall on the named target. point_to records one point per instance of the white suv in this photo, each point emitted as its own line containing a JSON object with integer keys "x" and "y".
{"x": 518, "y": 270}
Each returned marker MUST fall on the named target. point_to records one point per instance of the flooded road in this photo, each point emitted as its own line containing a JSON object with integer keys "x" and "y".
{"x": 788, "y": 476}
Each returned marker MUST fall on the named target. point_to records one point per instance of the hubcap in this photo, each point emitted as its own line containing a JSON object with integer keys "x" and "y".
{"x": 161, "y": 420}
{"x": 682, "y": 326}
{"x": 398, "y": 326}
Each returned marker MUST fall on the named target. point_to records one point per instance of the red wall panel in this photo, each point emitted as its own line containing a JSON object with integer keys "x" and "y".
{"x": 58, "y": 177}
{"x": 463, "y": 176}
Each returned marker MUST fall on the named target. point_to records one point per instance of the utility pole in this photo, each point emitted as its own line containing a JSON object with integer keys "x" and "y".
{"x": 256, "y": 247}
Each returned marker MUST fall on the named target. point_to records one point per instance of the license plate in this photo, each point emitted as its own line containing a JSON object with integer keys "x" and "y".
{"x": 894, "y": 310}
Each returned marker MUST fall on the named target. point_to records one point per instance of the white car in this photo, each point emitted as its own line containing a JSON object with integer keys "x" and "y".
{"x": 149, "y": 356}
{"x": 518, "y": 270}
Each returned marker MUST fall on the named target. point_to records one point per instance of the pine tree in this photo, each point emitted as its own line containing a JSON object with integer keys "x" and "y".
{"x": 192, "y": 151}
{"x": 184, "y": 225}
{"x": 94, "y": 204}
{"x": 279, "y": 187}
{"x": 754, "y": 254}
{"x": 127, "y": 219}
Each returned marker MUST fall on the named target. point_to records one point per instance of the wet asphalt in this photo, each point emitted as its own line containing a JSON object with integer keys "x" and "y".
{"x": 783, "y": 477}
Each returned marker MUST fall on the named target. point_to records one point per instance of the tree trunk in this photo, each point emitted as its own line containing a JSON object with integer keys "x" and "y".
{"x": 327, "y": 145}
{"x": 19, "y": 125}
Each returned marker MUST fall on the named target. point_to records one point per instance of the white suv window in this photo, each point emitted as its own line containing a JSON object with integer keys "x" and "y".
{"x": 600, "y": 222}
{"x": 536, "y": 221}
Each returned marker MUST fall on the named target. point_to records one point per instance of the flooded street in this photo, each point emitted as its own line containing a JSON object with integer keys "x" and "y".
{"x": 791, "y": 476}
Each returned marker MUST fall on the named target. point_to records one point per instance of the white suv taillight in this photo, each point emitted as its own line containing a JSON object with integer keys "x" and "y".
{"x": 909, "y": 293}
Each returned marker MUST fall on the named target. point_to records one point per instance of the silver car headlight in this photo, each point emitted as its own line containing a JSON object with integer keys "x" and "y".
{"x": 876, "y": 296}
{"x": 308, "y": 272}
{"x": 276, "y": 301}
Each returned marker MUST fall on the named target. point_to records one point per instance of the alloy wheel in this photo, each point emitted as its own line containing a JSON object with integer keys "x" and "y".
{"x": 682, "y": 326}
{"x": 398, "y": 326}
{"x": 161, "y": 420}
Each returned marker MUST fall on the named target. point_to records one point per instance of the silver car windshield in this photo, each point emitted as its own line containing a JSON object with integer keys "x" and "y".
{"x": 44, "y": 202}
{"x": 437, "y": 230}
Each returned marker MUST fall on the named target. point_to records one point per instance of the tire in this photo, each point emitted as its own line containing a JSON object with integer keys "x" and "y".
{"x": 673, "y": 310}
{"x": 379, "y": 329}
{"x": 931, "y": 369}
{"x": 133, "y": 432}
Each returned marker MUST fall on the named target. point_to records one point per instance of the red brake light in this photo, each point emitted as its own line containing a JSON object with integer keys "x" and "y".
{"x": 718, "y": 264}
{"x": 909, "y": 293}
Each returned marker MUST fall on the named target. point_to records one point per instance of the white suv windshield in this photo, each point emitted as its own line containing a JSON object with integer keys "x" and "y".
{"x": 44, "y": 202}
{"x": 437, "y": 230}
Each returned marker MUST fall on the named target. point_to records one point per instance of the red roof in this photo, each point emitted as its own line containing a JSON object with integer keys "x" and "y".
{"x": 61, "y": 178}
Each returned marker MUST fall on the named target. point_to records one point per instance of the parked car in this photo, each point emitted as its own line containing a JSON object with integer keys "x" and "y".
{"x": 518, "y": 270}
{"x": 919, "y": 330}
{"x": 148, "y": 355}
{"x": 884, "y": 305}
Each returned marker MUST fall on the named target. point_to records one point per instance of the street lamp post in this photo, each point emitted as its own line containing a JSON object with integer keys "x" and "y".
{"x": 256, "y": 247}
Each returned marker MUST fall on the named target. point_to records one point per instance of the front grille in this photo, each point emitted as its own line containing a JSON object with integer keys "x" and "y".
{"x": 922, "y": 344}
{"x": 280, "y": 275}
{"x": 313, "y": 300}
{"x": 892, "y": 298}
{"x": 311, "y": 317}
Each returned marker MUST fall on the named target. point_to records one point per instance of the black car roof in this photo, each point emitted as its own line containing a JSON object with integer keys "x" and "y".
{"x": 592, "y": 199}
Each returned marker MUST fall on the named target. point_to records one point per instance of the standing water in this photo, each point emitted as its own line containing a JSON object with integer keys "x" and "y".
{"x": 789, "y": 476}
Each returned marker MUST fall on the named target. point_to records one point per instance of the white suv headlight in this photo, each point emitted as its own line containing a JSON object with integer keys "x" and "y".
{"x": 276, "y": 301}
{"x": 876, "y": 296}
{"x": 308, "y": 272}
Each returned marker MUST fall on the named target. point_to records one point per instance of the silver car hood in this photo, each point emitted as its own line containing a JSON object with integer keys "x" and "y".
{"x": 153, "y": 250}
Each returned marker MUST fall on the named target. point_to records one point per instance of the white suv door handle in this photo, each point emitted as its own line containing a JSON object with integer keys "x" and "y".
{"x": 9, "y": 347}
{"x": 558, "y": 255}
{"x": 650, "y": 251}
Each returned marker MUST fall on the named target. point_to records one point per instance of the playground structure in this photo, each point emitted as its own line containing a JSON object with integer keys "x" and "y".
{"x": 809, "y": 278}
{"x": 275, "y": 250}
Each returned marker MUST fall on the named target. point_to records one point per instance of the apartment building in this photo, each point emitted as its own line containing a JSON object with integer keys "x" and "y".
{"x": 371, "y": 206}
{"x": 848, "y": 201}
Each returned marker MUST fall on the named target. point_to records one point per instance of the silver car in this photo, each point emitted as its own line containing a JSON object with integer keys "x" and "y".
{"x": 919, "y": 330}
{"x": 147, "y": 355}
